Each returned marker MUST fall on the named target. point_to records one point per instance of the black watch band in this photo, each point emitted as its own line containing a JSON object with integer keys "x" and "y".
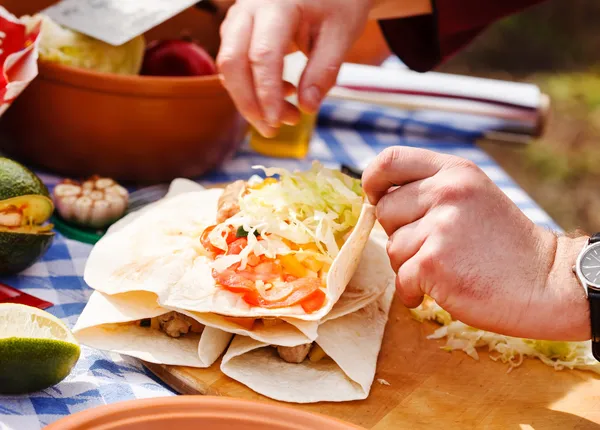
{"x": 595, "y": 238}
{"x": 594, "y": 298}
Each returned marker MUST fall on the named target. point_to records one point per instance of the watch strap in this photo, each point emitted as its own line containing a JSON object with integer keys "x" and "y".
{"x": 595, "y": 238}
{"x": 594, "y": 298}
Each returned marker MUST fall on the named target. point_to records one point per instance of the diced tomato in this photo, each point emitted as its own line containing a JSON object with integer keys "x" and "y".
{"x": 314, "y": 302}
{"x": 237, "y": 246}
{"x": 253, "y": 260}
{"x": 231, "y": 237}
{"x": 289, "y": 278}
{"x": 252, "y": 298}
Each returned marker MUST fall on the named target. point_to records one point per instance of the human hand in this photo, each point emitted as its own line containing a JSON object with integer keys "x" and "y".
{"x": 257, "y": 34}
{"x": 455, "y": 236}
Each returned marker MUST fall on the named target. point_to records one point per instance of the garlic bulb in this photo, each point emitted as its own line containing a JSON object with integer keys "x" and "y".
{"x": 97, "y": 202}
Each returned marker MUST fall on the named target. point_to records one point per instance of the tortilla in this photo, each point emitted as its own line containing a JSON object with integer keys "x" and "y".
{"x": 102, "y": 325}
{"x": 158, "y": 251}
{"x": 352, "y": 343}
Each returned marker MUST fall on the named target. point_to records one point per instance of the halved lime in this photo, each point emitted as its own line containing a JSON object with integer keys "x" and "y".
{"x": 37, "y": 350}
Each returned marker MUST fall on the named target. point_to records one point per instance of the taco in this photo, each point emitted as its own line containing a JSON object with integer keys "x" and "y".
{"x": 280, "y": 248}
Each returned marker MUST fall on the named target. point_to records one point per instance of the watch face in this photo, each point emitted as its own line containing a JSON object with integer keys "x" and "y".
{"x": 590, "y": 265}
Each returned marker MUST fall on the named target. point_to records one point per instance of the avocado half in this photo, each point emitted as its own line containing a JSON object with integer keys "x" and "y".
{"x": 21, "y": 190}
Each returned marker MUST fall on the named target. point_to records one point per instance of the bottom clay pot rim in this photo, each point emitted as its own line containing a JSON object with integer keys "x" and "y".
{"x": 147, "y": 410}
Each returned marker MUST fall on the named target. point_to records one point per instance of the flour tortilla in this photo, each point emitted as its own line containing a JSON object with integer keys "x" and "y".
{"x": 101, "y": 326}
{"x": 352, "y": 343}
{"x": 156, "y": 251}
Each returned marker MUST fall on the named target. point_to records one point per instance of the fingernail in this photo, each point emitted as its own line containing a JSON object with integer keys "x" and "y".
{"x": 312, "y": 97}
{"x": 265, "y": 129}
{"x": 294, "y": 121}
{"x": 291, "y": 119}
{"x": 272, "y": 118}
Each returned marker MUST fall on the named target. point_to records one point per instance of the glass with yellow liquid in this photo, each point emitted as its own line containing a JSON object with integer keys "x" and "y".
{"x": 290, "y": 141}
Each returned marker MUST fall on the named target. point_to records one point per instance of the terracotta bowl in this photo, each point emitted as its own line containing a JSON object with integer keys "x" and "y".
{"x": 196, "y": 412}
{"x": 77, "y": 122}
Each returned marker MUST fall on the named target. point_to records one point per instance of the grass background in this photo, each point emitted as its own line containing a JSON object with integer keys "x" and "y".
{"x": 555, "y": 45}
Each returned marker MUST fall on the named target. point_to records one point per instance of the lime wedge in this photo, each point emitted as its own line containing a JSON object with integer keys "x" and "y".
{"x": 37, "y": 350}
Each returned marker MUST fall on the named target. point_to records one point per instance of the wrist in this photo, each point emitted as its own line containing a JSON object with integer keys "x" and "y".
{"x": 565, "y": 296}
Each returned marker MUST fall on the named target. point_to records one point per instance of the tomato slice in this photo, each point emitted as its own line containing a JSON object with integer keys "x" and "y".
{"x": 233, "y": 281}
{"x": 314, "y": 302}
{"x": 277, "y": 293}
{"x": 303, "y": 288}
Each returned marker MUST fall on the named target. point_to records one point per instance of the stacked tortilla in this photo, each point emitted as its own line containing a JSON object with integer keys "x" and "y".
{"x": 155, "y": 299}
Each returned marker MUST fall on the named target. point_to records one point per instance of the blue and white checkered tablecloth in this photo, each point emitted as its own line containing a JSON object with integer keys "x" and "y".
{"x": 348, "y": 133}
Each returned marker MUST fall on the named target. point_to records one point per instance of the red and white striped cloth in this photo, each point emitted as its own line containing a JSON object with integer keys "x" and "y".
{"x": 18, "y": 57}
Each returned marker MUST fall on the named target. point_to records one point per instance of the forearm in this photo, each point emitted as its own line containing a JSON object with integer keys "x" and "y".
{"x": 387, "y": 9}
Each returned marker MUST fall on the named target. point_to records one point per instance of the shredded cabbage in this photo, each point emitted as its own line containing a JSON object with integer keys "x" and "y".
{"x": 319, "y": 206}
{"x": 62, "y": 45}
{"x": 511, "y": 350}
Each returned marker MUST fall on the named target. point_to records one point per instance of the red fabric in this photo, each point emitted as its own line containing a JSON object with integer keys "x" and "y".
{"x": 423, "y": 42}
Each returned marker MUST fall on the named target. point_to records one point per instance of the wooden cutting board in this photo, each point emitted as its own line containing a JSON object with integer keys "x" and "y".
{"x": 431, "y": 389}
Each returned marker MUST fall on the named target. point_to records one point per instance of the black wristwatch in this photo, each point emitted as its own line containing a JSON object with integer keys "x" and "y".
{"x": 587, "y": 269}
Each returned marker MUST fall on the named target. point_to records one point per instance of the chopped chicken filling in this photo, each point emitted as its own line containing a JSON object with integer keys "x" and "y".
{"x": 228, "y": 204}
{"x": 173, "y": 324}
{"x": 294, "y": 354}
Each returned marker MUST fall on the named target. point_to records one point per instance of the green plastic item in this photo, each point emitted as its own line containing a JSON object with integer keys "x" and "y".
{"x": 75, "y": 232}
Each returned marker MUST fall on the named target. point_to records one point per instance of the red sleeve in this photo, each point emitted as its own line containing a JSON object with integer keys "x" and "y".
{"x": 423, "y": 42}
